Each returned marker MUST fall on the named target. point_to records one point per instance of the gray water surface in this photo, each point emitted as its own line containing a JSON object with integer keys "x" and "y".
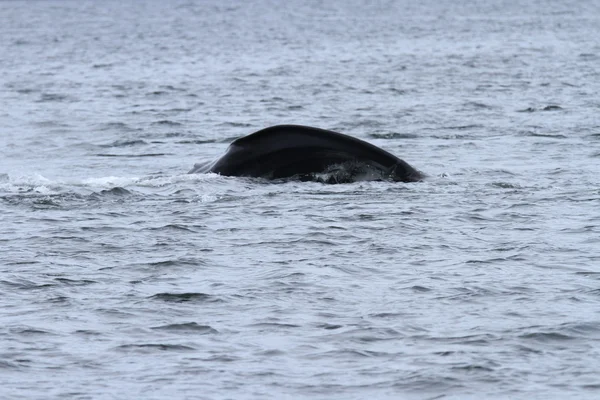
{"x": 124, "y": 277}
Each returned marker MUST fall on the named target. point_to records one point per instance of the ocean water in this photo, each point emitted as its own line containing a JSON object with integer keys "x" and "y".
{"x": 122, "y": 276}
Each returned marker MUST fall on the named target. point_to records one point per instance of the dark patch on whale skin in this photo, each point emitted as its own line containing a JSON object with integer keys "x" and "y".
{"x": 302, "y": 152}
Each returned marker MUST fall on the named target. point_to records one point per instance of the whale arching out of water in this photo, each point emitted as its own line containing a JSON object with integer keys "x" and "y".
{"x": 305, "y": 153}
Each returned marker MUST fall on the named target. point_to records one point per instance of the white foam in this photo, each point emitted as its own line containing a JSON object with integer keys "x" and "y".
{"x": 36, "y": 183}
{"x": 29, "y": 183}
{"x": 108, "y": 182}
{"x": 208, "y": 198}
{"x": 160, "y": 181}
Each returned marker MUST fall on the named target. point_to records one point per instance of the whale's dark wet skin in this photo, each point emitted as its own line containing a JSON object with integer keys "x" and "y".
{"x": 305, "y": 153}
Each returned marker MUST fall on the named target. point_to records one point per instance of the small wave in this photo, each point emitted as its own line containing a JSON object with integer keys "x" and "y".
{"x": 147, "y": 347}
{"x": 27, "y": 91}
{"x": 174, "y": 227}
{"x": 117, "y": 126}
{"x": 196, "y": 141}
{"x": 116, "y": 191}
{"x": 134, "y": 155}
{"x": 453, "y": 137}
{"x": 46, "y": 203}
{"x": 10, "y": 365}
{"x": 372, "y": 334}
{"x": 505, "y": 185}
{"x": 51, "y": 124}
{"x": 547, "y": 336}
{"x": 101, "y": 66}
{"x": 545, "y": 135}
{"x": 75, "y": 282}
{"x": 166, "y": 122}
{"x": 477, "y": 105}
{"x": 190, "y": 327}
{"x": 368, "y": 124}
{"x": 273, "y": 325}
{"x": 194, "y": 297}
{"x": 236, "y": 124}
{"x": 24, "y": 284}
{"x": 472, "y": 368}
{"x": 563, "y": 332}
{"x": 275, "y": 99}
{"x": 588, "y": 56}
{"x": 53, "y": 97}
{"x": 20, "y": 42}
{"x": 593, "y": 274}
{"x": 393, "y": 135}
{"x": 177, "y": 262}
{"x": 551, "y": 107}
{"x": 31, "y": 332}
{"x": 125, "y": 143}
{"x": 528, "y": 109}
{"x": 329, "y": 327}
{"x": 463, "y": 127}
{"x": 397, "y": 91}
{"x": 582, "y": 329}
{"x": 172, "y": 88}
{"x": 420, "y": 289}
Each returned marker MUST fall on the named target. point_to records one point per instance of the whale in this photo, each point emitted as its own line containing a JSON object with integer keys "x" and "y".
{"x": 308, "y": 154}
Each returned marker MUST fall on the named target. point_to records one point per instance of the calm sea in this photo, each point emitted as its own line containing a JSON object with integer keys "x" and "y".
{"x": 124, "y": 277}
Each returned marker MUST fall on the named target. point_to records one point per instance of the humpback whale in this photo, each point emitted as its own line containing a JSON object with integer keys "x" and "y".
{"x": 306, "y": 153}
